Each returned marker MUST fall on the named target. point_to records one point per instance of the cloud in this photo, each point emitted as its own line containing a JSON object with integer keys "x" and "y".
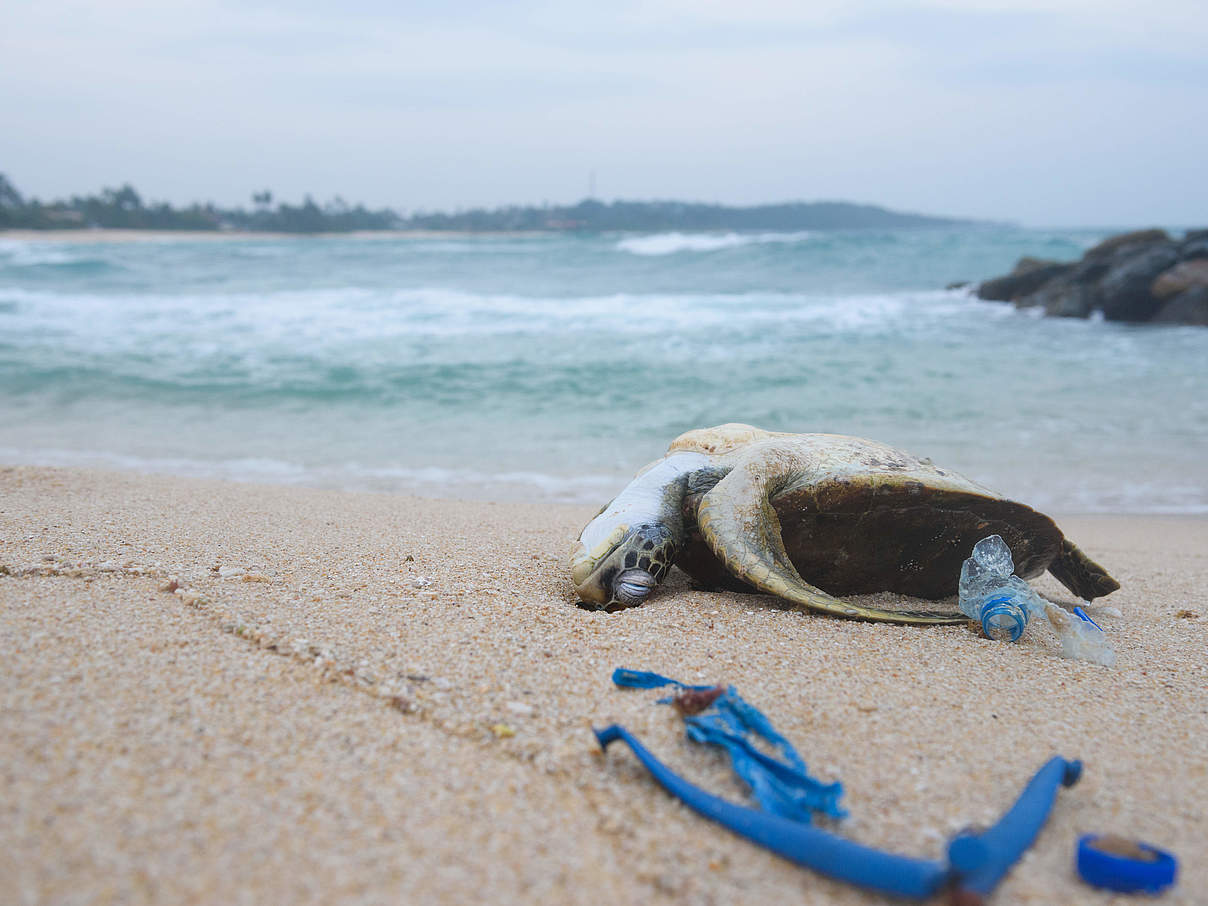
{"x": 1021, "y": 109}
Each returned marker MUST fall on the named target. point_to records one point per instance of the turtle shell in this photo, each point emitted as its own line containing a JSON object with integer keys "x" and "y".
{"x": 857, "y": 516}
{"x": 910, "y": 538}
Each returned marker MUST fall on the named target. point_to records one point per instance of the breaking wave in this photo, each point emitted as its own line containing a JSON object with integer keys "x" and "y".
{"x": 671, "y": 243}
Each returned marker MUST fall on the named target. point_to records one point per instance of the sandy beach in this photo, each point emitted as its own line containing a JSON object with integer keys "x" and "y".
{"x": 229, "y": 693}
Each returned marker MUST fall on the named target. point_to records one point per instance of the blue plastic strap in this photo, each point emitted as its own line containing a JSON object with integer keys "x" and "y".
{"x": 1078, "y": 611}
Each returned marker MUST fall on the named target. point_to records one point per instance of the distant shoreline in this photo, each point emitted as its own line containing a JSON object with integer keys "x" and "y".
{"x": 111, "y": 234}
{"x": 117, "y": 234}
{"x": 124, "y": 209}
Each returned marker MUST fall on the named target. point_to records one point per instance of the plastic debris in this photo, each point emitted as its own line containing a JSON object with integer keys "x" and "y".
{"x": 976, "y": 861}
{"x": 780, "y": 785}
{"x": 981, "y": 860}
{"x": 1123, "y": 865}
{"x": 1004, "y": 604}
{"x": 1081, "y": 637}
{"x": 991, "y": 594}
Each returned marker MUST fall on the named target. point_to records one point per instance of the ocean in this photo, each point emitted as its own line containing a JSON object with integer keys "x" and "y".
{"x": 551, "y": 368}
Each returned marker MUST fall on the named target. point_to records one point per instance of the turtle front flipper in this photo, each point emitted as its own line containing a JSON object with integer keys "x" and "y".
{"x": 740, "y": 525}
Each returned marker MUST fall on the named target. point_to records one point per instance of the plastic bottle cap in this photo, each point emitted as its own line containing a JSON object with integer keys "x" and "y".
{"x": 1003, "y": 619}
{"x": 1149, "y": 869}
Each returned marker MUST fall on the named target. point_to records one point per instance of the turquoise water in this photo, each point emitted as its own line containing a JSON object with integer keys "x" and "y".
{"x": 552, "y": 367}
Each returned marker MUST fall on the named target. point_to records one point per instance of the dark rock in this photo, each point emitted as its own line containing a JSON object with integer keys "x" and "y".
{"x": 1123, "y": 292}
{"x": 1194, "y": 245}
{"x": 1029, "y": 275}
{"x": 1180, "y": 278}
{"x": 1188, "y": 307}
{"x": 1064, "y": 297}
{"x": 1131, "y": 277}
{"x": 959, "y": 284}
{"x": 1090, "y": 270}
{"x": 1029, "y": 265}
{"x": 1111, "y": 246}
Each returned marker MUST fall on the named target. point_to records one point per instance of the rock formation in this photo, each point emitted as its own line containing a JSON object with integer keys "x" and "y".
{"x": 1144, "y": 276}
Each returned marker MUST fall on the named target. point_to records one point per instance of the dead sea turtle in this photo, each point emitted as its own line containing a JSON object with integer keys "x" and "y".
{"x": 808, "y": 516}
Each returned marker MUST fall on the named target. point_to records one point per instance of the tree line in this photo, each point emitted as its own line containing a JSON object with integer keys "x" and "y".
{"x": 124, "y": 208}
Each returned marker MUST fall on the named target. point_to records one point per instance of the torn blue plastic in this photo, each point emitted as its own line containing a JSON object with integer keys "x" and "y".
{"x": 644, "y": 679}
{"x": 976, "y": 861}
{"x": 781, "y": 787}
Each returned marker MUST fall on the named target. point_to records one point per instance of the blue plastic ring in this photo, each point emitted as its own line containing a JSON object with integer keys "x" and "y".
{"x": 1003, "y": 606}
{"x": 1120, "y": 873}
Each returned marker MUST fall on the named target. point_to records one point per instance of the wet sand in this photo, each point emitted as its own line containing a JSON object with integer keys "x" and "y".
{"x": 218, "y": 692}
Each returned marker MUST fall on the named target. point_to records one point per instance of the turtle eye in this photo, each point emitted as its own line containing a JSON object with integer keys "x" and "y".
{"x": 633, "y": 586}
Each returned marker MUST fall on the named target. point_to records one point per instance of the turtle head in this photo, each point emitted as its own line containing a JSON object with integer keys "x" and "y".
{"x": 623, "y": 569}
{"x": 627, "y": 549}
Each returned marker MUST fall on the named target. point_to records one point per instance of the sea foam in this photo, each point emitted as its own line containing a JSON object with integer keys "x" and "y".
{"x": 670, "y": 243}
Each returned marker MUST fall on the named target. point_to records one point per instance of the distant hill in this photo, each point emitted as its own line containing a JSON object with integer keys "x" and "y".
{"x": 678, "y": 215}
{"x": 124, "y": 208}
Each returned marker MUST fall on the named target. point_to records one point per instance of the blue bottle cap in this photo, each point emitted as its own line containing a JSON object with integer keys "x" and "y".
{"x": 1150, "y": 870}
{"x": 1002, "y": 618}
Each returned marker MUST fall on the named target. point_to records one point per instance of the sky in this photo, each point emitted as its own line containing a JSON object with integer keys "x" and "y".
{"x": 1042, "y": 112}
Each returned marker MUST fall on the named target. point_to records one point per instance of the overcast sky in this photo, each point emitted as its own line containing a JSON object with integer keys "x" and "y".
{"x": 1067, "y": 112}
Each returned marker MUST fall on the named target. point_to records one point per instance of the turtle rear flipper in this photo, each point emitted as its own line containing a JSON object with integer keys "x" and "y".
{"x": 740, "y": 525}
{"x": 1080, "y": 574}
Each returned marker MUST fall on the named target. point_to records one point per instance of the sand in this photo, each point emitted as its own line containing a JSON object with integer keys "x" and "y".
{"x": 373, "y": 698}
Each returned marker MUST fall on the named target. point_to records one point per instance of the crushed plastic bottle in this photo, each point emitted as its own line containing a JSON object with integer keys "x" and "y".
{"x": 1004, "y": 603}
{"x": 991, "y": 594}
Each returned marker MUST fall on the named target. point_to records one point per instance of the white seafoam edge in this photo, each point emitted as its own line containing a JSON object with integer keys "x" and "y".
{"x": 1136, "y": 497}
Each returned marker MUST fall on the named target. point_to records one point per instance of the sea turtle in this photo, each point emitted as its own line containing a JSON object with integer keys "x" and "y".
{"x": 808, "y": 516}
